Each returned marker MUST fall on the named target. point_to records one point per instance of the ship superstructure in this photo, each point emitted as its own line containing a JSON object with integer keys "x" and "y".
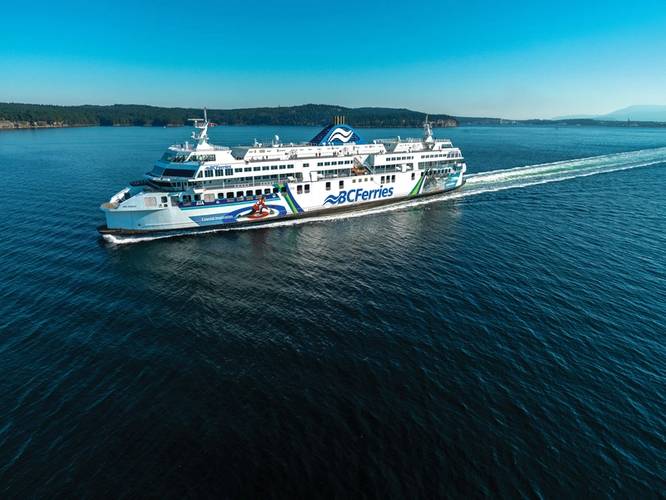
{"x": 198, "y": 185}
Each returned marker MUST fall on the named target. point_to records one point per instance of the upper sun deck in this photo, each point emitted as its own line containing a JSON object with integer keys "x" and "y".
{"x": 335, "y": 140}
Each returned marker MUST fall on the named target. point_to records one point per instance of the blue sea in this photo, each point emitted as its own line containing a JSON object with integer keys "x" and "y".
{"x": 508, "y": 339}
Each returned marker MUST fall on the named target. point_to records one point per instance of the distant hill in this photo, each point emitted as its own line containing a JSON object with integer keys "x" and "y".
{"x": 18, "y": 115}
{"x": 638, "y": 113}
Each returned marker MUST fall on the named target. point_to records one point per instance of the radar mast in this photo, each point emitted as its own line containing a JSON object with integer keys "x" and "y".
{"x": 202, "y": 126}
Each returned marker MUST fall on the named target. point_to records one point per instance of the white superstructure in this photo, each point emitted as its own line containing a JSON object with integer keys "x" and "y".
{"x": 200, "y": 185}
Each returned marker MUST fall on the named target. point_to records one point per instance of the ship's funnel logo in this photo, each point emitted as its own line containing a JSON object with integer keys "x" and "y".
{"x": 340, "y": 134}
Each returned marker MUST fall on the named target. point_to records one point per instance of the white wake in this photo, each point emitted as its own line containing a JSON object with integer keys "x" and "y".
{"x": 483, "y": 182}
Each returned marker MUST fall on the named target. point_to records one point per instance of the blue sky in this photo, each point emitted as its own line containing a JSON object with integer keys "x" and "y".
{"x": 514, "y": 59}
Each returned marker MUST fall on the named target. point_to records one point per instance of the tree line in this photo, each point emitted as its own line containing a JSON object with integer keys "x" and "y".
{"x": 141, "y": 115}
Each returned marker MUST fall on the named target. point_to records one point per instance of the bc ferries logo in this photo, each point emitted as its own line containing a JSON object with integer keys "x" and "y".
{"x": 340, "y": 134}
{"x": 358, "y": 195}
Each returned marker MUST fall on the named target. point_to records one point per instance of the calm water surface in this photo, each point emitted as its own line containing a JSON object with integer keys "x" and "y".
{"x": 499, "y": 341}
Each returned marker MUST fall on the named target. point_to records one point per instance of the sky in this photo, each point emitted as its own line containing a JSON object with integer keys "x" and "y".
{"x": 518, "y": 59}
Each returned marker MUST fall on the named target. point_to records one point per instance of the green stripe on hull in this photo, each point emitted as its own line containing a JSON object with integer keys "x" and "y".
{"x": 417, "y": 188}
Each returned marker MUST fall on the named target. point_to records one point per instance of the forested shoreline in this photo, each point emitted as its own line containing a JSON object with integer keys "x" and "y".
{"x": 17, "y": 115}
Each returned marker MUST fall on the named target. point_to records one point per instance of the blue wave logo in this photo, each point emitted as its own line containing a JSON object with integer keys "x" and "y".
{"x": 333, "y": 200}
{"x": 341, "y": 135}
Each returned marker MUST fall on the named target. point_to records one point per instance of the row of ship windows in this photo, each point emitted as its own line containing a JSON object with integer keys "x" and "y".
{"x": 329, "y": 163}
{"x": 398, "y": 158}
{"x": 450, "y": 154}
{"x": 384, "y": 179}
{"x": 219, "y": 172}
{"x": 238, "y": 195}
{"x": 438, "y": 163}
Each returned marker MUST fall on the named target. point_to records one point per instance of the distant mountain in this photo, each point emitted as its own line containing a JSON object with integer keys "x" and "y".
{"x": 637, "y": 113}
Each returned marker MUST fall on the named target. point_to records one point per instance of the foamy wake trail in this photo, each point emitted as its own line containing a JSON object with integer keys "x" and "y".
{"x": 483, "y": 182}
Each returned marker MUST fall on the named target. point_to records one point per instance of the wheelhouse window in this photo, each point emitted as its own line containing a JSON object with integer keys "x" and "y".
{"x": 175, "y": 157}
{"x": 178, "y": 172}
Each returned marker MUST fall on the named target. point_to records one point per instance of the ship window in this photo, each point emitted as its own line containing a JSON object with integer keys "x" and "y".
{"x": 382, "y": 180}
{"x": 187, "y": 198}
{"x": 282, "y": 167}
{"x": 320, "y": 164}
{"x": 276, "y": 190}
{"x": 306, "y": 165}
{"x": 248, "y": 169}
{"x": 239, "y": 194}
{"x": 164, "y": 199}
{"x": 220, "y": 196}
{"x": 307, "y": 188}
{"x": 327, "y": 163}
{"x": 267, "y": 191}
{"x": 266, "y": 168}
{"x": 342, "y": 184}
{"x": 197, "y": 197}
{"x": 299, "y": 189}
{"x": 257, "y": 192}
{"x": 229, "y": 171}
{"x": 412, "y": 175}
{"x": 209, "y": 173}
{"x": 328, "y": 186}
{"x": 209, "y": 197}
{"x": 393, "y": 178}
{"x": 177, "y": 172}
{"x": 230, "y": 194}
{"x": 239, "y": 170}
{"x": 199, "y": 174}
{"x": 248, "y": 192}
{"x": 257, "y": 169}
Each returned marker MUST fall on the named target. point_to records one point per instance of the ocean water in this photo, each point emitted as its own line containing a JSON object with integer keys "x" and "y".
{"x": 507, "y": 339}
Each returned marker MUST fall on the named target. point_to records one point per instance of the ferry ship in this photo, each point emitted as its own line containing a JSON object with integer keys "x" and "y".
{"x": 200, "y": 186}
